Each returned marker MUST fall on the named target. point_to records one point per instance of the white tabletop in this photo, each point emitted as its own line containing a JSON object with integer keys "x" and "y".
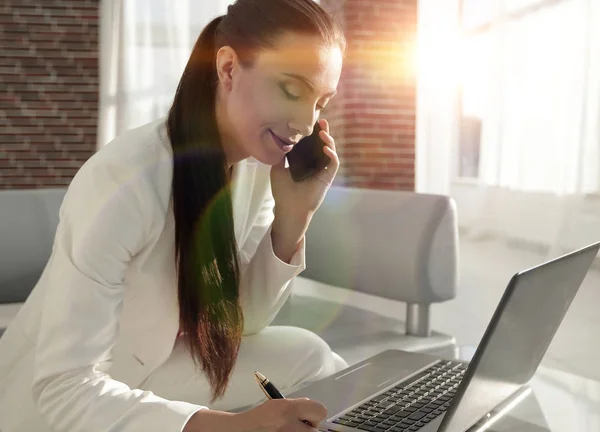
{"x": 568, "y": 402}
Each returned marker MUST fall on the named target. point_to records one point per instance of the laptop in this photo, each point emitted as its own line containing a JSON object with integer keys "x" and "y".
{"x": 401, "y": 391}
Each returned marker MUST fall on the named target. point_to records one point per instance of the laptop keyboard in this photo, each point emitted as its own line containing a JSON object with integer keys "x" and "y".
{"x": 410, "y": 405}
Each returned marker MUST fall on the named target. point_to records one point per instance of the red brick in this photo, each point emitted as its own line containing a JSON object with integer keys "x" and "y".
{"x": 49, "y": 68}
{"x": 372, "y": 119}
{"x": 374, "y": 111}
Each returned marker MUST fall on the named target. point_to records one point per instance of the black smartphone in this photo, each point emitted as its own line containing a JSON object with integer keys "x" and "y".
{"x": 307, "y": 157}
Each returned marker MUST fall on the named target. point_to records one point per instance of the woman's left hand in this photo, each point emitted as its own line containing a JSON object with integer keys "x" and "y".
{"x": 296, "y": 202}
{"x": 297, "y": 199}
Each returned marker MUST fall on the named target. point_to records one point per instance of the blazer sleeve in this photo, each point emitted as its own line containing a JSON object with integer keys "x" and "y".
{"x": 103, "y": 224}
{"x": 265, "y": 279}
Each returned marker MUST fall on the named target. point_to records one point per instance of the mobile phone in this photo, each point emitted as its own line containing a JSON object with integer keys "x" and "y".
{"x": 307, "y": 157}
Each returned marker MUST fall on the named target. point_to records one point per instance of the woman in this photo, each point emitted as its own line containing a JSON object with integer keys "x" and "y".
{"x": 176, "y": 245}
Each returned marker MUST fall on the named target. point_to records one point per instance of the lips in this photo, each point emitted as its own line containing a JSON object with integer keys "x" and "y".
{"x": 284, "y": 141}
{"x": 285, "y": 145}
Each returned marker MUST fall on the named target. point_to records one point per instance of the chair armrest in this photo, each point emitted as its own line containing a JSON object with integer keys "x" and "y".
{"x": 28, "y": 221}
{"x": 394, "y": 244}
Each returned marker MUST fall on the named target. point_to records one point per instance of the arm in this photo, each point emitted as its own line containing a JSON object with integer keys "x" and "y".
{"x": 287, "y": 234}
{"x": 265, "y": 283}
{"x": 265, "y": 278}
{"x": 104, "y": 223}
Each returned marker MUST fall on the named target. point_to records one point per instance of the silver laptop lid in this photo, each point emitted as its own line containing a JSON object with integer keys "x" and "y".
{"x": 524, "y": 323}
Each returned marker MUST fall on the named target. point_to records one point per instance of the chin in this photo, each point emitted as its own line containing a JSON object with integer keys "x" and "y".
{"x": 267, "y": 153}
{"x": 269, "y": 159}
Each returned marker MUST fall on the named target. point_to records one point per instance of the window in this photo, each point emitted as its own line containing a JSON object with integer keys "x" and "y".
{"x": 520, "y": 61}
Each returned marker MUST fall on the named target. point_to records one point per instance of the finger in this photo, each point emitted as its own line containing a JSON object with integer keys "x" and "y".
{"x": 311, "y": 411}
{"x": 303, "y": 427}
{"x": 335, "y": 160}
{"x": 324, "y": 125}
{"x": 327, "y": 175}
{"x": 327, "y": 139}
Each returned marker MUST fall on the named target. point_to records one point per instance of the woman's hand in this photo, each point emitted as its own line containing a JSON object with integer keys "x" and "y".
{"x": 276, "y": 415}
{"x": 296, "y": 202}
{"x": 306, "y": 196}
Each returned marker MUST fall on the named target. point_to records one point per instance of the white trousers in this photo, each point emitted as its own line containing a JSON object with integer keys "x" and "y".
{"x": 289, "y": 356}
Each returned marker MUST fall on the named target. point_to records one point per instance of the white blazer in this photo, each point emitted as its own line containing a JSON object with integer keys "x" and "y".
{"x": 104, "y": 313}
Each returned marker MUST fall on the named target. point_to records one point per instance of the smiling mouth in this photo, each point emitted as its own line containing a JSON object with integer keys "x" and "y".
{"x": 284, "y": 145}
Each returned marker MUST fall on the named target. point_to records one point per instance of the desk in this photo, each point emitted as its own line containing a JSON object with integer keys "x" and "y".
{"x": 559, "y": 402}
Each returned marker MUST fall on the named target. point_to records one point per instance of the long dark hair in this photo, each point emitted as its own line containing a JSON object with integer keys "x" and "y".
{"x": 206, "y": 253}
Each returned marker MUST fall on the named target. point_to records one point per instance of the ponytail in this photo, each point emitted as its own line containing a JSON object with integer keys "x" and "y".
{"x": 205, "y": 247}
{"x": 206, "y": 254}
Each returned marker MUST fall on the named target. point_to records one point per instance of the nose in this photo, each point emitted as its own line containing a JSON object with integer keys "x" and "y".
{"x": 304, "y": 125}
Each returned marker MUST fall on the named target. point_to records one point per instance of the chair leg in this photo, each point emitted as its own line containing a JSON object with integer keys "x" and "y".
{"x": 417, "y": 320}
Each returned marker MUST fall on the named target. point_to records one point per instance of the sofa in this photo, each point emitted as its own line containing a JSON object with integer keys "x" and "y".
{"x": 390, "y": 245}
{"x": 28, "y": 221}
{"x": 368, "y": 249}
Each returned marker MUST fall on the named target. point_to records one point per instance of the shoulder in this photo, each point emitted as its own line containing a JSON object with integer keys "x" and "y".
{"x": 137, "y": 165}
{"x": 139, "y": 156}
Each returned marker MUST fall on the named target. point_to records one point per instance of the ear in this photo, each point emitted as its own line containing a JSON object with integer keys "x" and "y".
{"x": 225, "y": 63}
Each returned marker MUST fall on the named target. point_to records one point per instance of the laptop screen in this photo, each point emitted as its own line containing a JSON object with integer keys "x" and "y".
{"x": 526, "y": 319}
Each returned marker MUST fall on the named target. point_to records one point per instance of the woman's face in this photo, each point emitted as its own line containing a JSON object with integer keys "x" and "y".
{"x": 282, "y": 94}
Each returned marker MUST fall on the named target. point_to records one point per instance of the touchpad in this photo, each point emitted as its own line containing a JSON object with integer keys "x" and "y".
{"x": 359, "y": 382}
{"x": 372, "y": 376}
{"x": 351, "y": 387}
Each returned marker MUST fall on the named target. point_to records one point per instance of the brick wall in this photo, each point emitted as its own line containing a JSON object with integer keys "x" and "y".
{"x": 49, "y": 97}
{"x": 49, "y": 77}
{"x": 373, "y": 116}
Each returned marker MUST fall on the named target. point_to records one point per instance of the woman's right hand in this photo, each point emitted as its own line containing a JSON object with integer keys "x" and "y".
{"x": 276, "y": 415}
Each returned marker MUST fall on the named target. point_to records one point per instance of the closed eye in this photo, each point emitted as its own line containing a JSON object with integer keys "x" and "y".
{"x": 295, "y": 98}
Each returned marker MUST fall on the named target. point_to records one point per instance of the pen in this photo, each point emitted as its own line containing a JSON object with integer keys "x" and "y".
{"x": 269, "y": 389}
